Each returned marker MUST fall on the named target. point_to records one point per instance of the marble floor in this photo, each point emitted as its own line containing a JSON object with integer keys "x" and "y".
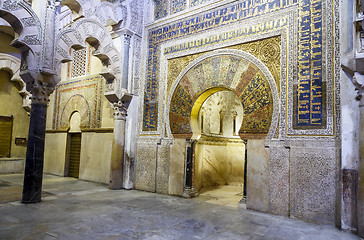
{"x": 75, "y": 209}
{"x": 223, "y": 195}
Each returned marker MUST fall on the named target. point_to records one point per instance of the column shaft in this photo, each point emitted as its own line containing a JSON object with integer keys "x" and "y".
{"x": 117, "y": 155}
{"x": 33, "y": 174}
{"x": 361, "y": 173}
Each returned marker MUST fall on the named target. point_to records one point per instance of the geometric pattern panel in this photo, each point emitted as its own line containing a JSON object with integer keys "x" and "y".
{"x": 79, "y": 63}
{"x": 83, "y": 96}
{"x": 229, "y": 72}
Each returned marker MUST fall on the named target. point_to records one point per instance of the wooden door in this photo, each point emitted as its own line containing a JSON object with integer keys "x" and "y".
{"x": 75, "y": 152}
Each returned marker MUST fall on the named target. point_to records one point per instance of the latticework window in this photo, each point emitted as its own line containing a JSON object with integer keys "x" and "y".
{"x": 80, "y": 65}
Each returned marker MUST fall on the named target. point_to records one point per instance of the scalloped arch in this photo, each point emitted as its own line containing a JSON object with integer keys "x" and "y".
{"x": 105, "y": 12}
{"x": 25, "y": 23}
{"x": 11, "y": 64}
{"x": 77, "y": 35}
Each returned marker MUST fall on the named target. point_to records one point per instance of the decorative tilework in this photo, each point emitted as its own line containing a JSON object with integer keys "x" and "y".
{"x": 218, "y": 17}
{"x": 311, "y": 11}
{"x": 177, "y": 6}
{"x": 83, "y": 95}
{"x": 161, "y": 9}
{"x": 310, "y": 91}
{"x": 228, "y": 72}
{"x": 198, "y": 2}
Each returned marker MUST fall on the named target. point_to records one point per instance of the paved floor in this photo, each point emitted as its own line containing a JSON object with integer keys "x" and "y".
{"x": 74, "y": 209}
{"x": 223, "y": 195}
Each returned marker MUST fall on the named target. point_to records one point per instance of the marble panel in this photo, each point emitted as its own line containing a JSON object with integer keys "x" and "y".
{"x": 55, "y": 153}
{"x": 177, "y": 167}
{"x": 258, "y": 176}
{"x": 313, "y": 183}
{"x": 95, "y": 157}
{"x": 163, "y": 167}
{"x": 145, "y": 166}
{"x": 219, "y": 163}
{"x": 11, "y": 165}
{"x": 279, "y": 180}
{"x": 349, "y": 193}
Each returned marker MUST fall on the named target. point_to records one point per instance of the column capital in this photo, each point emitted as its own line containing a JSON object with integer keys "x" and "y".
{"x": 125, "y": 32}
{"x": 120, "y": 110}
{"x": 40, "y": 92}
{"x": 358, "y": 81}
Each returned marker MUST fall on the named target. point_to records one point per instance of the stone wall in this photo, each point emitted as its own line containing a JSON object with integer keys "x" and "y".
{"x": 12, "y": 105}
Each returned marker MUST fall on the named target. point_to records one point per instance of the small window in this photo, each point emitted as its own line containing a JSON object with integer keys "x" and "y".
{"x": 81, "y": 60}
{"x": 6, "y": 127}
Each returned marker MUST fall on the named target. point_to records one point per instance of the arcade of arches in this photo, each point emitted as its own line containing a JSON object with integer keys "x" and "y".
{"x": 260, "y": 100}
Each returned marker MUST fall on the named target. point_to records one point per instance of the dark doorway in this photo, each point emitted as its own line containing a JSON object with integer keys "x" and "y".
{"x": 74, "y": 157}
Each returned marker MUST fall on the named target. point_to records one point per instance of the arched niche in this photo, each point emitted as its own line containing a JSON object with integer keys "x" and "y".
{"x": 76, "y": 103}
{"x": 220, "y": 70}
{"x": 75, "y": 122}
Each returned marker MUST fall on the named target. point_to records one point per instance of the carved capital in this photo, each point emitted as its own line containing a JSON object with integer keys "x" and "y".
{"x": 127, "y": 38}
{"x": 120, "y": 110}
{"x": 40, "y": 92}
{"x": 358, "y": 81}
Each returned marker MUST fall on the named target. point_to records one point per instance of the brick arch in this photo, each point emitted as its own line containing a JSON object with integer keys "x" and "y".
{"x": 219, "y": 70}
{"x": 76, "y": 36}
{"x": 11, "y": 65}
{"x": 76, "y": 103}
{"x": 27, "y": 27}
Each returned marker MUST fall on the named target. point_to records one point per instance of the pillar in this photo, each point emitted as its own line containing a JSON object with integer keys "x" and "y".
{"x": 125, "y": 77}
{"x": 360, "y": 205}
{"x": 118, "y": 146}
{"x": 33, "y": 173}
{"x": 41, "y": 84}
{"x": 358, "y": 81}
{"x": 190, "y": 190}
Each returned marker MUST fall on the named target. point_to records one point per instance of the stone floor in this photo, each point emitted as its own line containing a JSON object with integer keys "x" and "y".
{"x": 223, "y": 195}
{"x": 74, "y": 209}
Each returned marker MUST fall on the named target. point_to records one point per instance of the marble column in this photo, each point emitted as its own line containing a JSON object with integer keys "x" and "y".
{"x": 358, "y": 81}
{"x": 118, "y": 146}
{"x": 125, "y": 83}
{"x": 361, "y": 170}
{"x": 33, "y": 174}
{"x": 190, "y": 190}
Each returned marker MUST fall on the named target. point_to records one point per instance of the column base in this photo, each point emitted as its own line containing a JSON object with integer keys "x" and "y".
{"x": 190, "y": 192}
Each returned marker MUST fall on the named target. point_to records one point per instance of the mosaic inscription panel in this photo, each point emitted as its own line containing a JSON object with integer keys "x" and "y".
{"x": 310, "y": 107}
{"x": 84, "y": 96}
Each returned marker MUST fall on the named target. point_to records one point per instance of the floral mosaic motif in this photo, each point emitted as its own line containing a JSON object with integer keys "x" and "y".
{"x": 178, "y": 5}
{"x": 198, "y": 2}
{"x": 229, "y": 72}
{"x": 161, "y": 9}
